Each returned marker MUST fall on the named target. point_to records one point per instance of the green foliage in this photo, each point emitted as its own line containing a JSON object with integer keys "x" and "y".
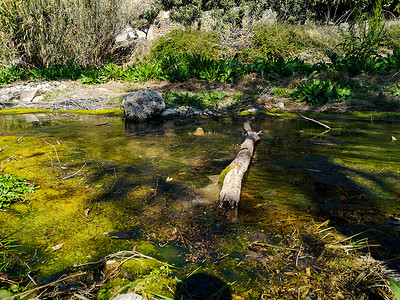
{"x": 286, "y": 40}
{"x": 212, "y": 98}
{"x": 6, "y": 245}
{"x": 319, "y": 92}
{"x": 144, "y": 71}
{"x": 393, "y": 60}
{"x": 392, "y": 39}
{"x": 91, "y": 75}
{"x": 200, "y": 100}
{"x": 13, "y": 189}
{"x": 11, "y": 74}
{"x": 396, "y": 91}
{"x": 57, "y": 71}
{"x": 187, "y": 41}
{"x": 365, "y": 35}
{"x": 395, "y": 287}
{"x": 180, "y": 67}
{"x": 175, "y": 100}
{"x": 280, "y": 67}
{"x": 357, "y": 65}
{"x": 361, "y": 45}
{"x": 187, "y": 14}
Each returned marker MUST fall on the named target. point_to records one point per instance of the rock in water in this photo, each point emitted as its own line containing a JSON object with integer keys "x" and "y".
{"x": 143, "y": 105}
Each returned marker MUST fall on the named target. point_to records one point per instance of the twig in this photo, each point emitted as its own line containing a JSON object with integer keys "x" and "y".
{"x": 77, "y": 172}
{"x": 155, "y": 193}
{"x": 183, "y": 239}
{"x": 115, "y": 181}
{"x": 52, "y": 165}
{"x": 59, "y": 162}
{"x": 26, "y": 293}
{"x": 315, "y": 121}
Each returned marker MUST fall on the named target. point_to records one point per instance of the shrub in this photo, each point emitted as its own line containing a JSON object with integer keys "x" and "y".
{"x": 393, "y": 36}
{"x": 286, "y": 40}
{"x": 45, "y": 32}
{"x": 187, "y": 41}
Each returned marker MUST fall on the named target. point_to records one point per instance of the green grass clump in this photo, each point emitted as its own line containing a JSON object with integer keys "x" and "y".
{"x": 200, "y": 100}
{"x": 13, "y": 189}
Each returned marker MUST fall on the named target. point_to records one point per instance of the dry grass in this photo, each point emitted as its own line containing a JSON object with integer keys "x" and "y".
{"x": 44, "y": 32}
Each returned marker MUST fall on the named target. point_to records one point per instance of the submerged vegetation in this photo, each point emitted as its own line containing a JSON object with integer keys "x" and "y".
{"x": 97, "y": 205}
{"x": 130, "y": 207}
{"x": 12, "y": 189}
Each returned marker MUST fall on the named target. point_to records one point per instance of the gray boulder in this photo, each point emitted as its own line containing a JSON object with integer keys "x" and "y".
{"x": 143, "y": 105}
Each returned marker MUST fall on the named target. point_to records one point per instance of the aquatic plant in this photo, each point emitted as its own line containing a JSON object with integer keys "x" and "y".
{"x": 13, "y": 189}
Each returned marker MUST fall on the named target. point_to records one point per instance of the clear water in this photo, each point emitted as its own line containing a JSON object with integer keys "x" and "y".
{"x": 349, "y": 175}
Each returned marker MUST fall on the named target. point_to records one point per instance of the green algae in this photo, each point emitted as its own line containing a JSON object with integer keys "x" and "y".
{"x": 110, "y": 112}
{"x": 122, "y": 187}
{"x": 223, "y": 174}
{"x": 153, "y": 280}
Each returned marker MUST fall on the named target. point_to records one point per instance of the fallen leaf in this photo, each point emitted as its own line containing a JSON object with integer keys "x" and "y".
{"x": 48, "y": 232}
{"x": 59, "y": 246}
{"x": 87, "y": 210}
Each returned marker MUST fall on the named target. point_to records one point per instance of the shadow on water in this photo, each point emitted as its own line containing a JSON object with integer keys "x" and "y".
{"x": 203, "y": 286}
{"x": 351, "y": 182}
{"x": 294, "y": 168}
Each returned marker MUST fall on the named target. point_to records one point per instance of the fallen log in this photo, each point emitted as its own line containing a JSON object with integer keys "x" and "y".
{"x": 233, "y": 174}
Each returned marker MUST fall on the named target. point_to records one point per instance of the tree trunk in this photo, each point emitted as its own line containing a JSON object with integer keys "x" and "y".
{"x": 232, "y": 185}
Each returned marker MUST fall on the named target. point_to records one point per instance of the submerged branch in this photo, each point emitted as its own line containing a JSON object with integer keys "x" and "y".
{"x": 315, "y": 121}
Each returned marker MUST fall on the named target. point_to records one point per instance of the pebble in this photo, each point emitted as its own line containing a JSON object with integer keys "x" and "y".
{"x": 280, "y": 105}
{"x": 252, "y": 110}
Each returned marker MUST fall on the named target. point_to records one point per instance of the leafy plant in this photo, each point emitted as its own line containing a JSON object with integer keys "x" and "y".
{"x": 395, "y": 287}
{"x": 212, "y": 98}
{"x": 393, "y": 60}
{"x": 174, "y": 100}
{"x": 92, "y": 75}
{"x": 396, "y": 91}
{"x": 112, "y": 72}
{"x": 361, "y": 43}
{"x": 13, "y": 189}
{"x": 9, "y": 75}
{"x": 319, "y": 92}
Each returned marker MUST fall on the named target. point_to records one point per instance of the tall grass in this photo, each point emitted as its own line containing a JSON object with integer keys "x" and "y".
{"x": 45, "y": 32}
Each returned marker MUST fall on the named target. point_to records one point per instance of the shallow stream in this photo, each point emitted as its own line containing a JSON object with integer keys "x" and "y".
{"x": 106, "y": 186}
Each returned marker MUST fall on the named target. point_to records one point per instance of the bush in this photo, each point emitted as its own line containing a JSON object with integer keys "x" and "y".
{"x": 45, "y": 32}
{"x": 187, "y": 41}
{"x": 393, "y": 36}
{"x": 286, "y": 40}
